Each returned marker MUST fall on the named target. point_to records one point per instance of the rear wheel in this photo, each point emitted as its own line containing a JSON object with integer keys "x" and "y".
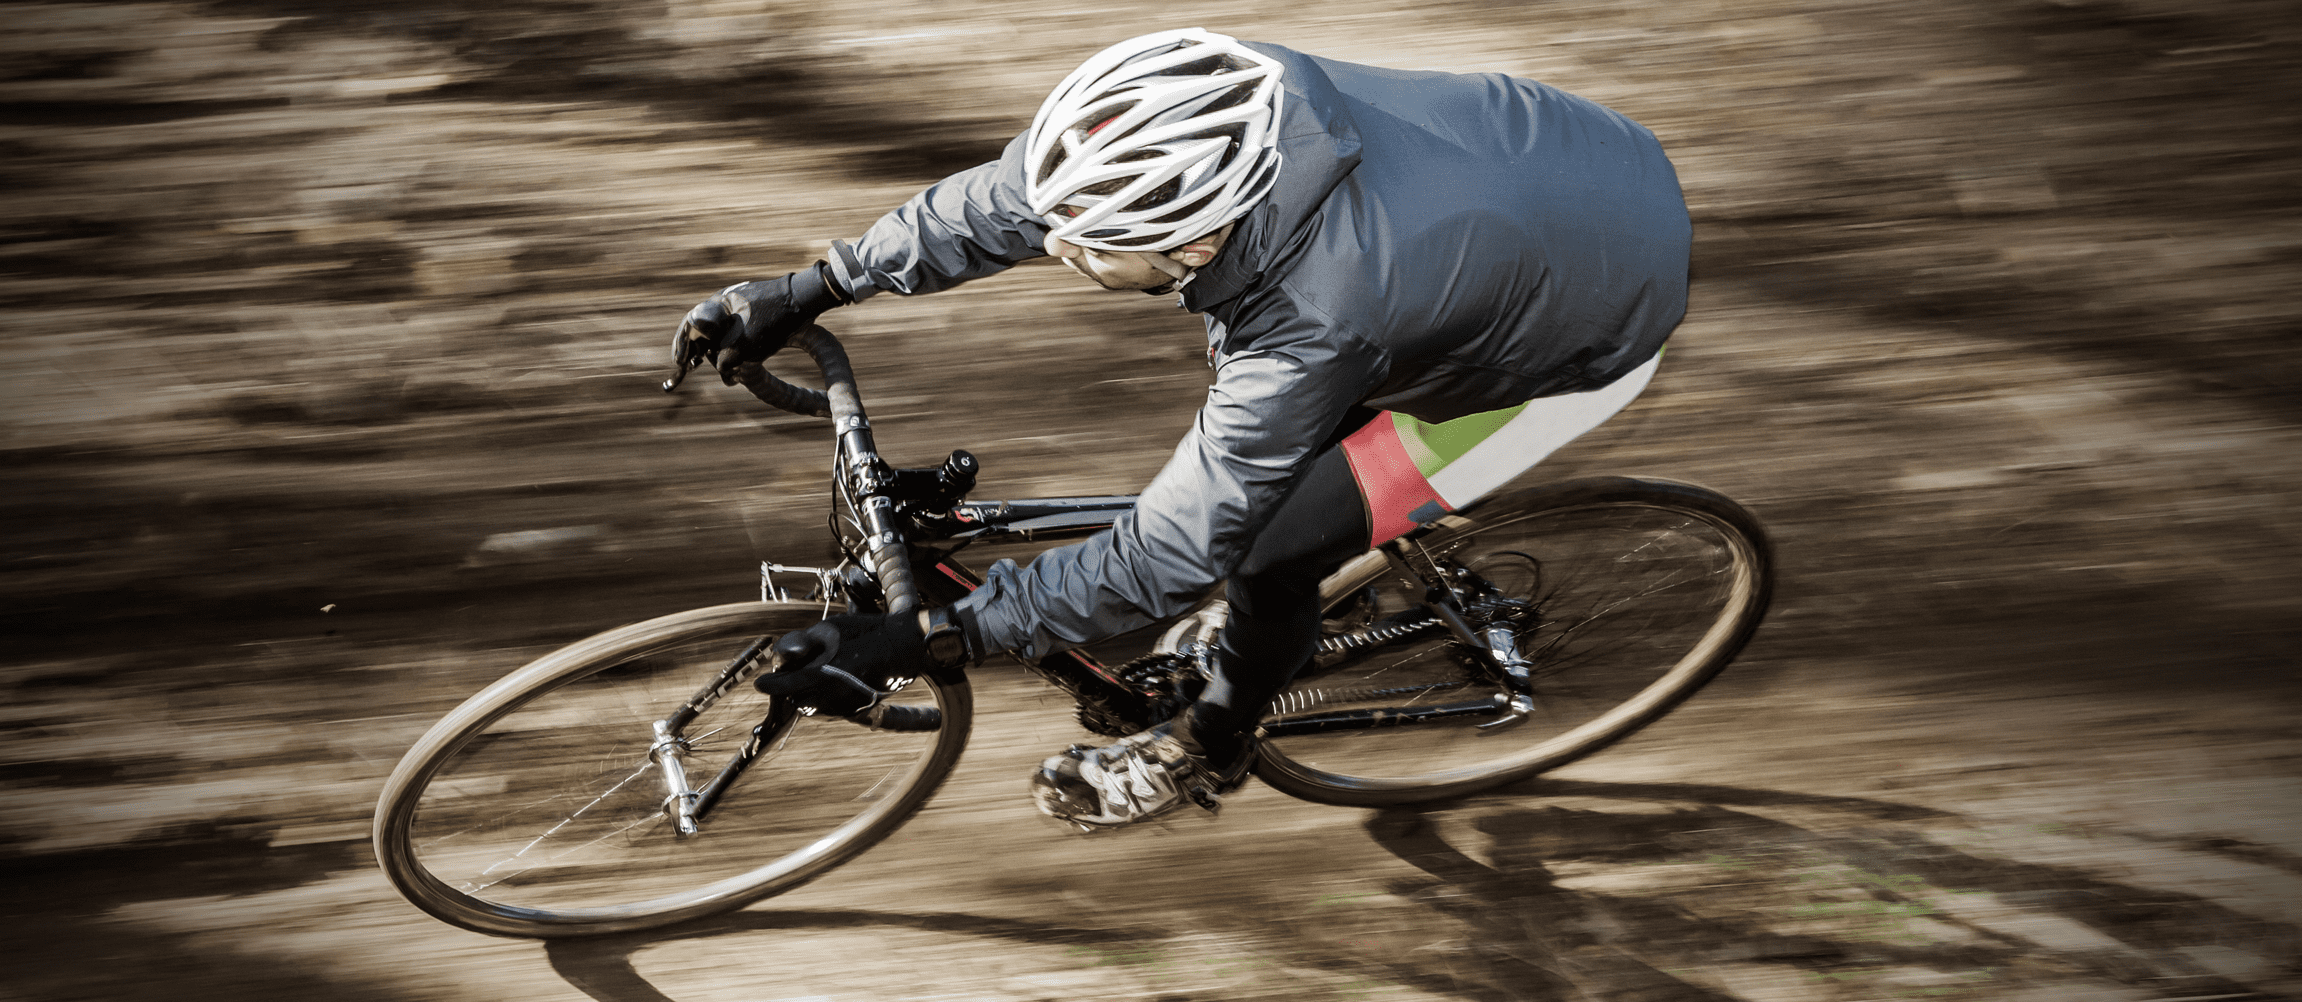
{"x": 1627, "y": 595}
{"x": 534, "y": 808}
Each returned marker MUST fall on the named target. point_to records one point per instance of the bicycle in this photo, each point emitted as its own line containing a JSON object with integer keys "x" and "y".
{"x": 1513, "y": 636}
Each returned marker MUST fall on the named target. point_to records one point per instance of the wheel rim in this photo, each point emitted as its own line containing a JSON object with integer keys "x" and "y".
{"x": 1637, "y": 604}
{"x": 548, "y": 813}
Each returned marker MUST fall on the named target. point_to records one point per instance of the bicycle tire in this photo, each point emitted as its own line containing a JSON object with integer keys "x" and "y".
{"x": 1695, "y": 564}
{"x": 468, "y": 791}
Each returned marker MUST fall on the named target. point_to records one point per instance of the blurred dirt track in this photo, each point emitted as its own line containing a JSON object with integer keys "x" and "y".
{"x": 331, "y": 339}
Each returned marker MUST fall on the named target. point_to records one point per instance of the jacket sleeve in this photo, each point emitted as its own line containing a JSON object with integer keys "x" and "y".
{"x": 1271, "y": 407}
{"x": 971, "y": 224}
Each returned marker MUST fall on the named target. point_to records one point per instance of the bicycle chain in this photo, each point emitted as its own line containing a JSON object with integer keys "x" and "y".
{"x": 1161, "y": 684}
{"x": 1374, "y": 635}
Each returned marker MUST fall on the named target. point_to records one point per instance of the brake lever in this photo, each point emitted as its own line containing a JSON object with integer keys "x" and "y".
{"x": 689, "y": 356}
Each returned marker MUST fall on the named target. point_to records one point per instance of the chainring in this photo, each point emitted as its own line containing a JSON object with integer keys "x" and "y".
{"x": 1160, "y": 684}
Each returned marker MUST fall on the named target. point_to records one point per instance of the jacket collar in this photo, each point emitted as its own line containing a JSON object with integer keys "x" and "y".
{"x": 1318, "y": 146}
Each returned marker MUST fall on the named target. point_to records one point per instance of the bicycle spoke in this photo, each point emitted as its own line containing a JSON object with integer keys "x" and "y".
{"x": 525, "y": 808}
{"x": 649, "y": 819}
{"x": 579, "y": 812}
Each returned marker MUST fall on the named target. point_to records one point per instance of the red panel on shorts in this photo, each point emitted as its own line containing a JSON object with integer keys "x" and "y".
{"x": 1388, "y": 481}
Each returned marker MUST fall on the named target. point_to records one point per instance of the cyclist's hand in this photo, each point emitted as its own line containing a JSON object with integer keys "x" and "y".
{"x": 839, "y": 666}
{"x": 749, "y": 321}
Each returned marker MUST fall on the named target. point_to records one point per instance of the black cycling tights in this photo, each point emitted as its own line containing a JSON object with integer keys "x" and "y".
{"x": 1274, "y": 596}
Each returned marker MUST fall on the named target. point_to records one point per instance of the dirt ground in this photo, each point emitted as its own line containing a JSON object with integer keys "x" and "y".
{"x": 332, "y": 330}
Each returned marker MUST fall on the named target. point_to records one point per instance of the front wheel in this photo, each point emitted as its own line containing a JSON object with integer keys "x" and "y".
{"x": 536, "y": 809}
{"x": 1626, "y": 594}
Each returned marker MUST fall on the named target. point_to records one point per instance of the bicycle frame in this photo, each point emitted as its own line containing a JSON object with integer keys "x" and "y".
{"x": 532, "y": 808}
{"x": 898, "y": 516}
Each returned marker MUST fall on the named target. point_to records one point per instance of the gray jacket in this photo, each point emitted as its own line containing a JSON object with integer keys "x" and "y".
{"x": 1437, "y": 244}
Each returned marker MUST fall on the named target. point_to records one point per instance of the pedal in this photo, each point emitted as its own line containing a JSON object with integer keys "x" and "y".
{"x": 1205, "y": 798}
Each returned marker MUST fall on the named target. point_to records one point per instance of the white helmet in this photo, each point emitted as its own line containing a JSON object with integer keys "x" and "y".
{"x": 1156, "y": 141}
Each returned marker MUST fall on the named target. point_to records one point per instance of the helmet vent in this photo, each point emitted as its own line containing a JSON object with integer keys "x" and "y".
{"x": 1157, "y": 197}
{"x": 1185, "y": 212}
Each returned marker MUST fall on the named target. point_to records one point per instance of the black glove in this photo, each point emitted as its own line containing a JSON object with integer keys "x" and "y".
{"x": 749, "y": 321}
{"x": 841, "y": 665}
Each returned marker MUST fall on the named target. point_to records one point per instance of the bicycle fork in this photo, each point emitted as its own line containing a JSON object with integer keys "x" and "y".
{"x": 685, "y": 805}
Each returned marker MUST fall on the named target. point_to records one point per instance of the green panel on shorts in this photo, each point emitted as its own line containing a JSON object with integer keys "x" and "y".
{"x": 1433, "y": 446}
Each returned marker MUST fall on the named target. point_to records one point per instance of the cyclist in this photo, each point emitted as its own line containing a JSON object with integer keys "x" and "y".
{"x": 1415, "y": 286}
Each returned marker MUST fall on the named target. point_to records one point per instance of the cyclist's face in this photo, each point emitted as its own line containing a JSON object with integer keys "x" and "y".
{"x": 1115, "y": 270}
{"x": 1137, "y": 270}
